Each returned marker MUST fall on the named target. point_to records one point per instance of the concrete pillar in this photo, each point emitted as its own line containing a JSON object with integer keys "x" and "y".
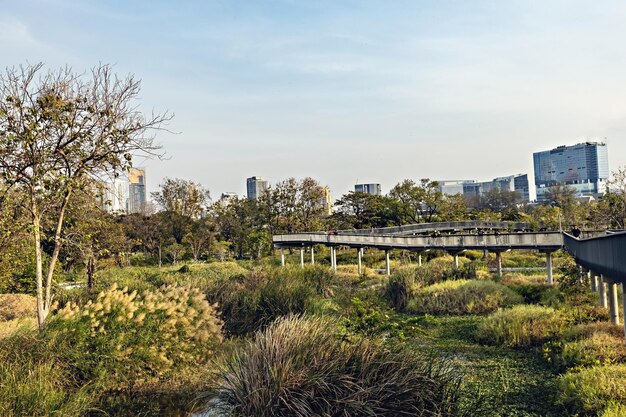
{"x": 301, "y": 257}
{"x": 419, "y": 259}
{"x": 359, "y": 255}
{"x": 594, "y": 281}
{"x": 549, "y": 268}
{"x": 499, "y": 264}
{"x": 312, "y": 255}
{"x": 388, "y": 266}
{"x": 624, "y": 306}
{"x": 613, "y": 304}
{"x": 603, "y": 297}
{"x": 333, "y": 252}
{"x": 456, "y": 260}
{"x": 282, "y": 257}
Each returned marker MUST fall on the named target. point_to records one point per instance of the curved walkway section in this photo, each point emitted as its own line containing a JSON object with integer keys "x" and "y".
{"x": 604, "y": 254}
{"x": 547, "y": 241}
{"x": 421, "y": 228}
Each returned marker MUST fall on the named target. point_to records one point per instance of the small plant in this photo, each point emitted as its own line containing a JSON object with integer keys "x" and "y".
{"x": 520, "y": 326}
{"x": 599, "y": 349}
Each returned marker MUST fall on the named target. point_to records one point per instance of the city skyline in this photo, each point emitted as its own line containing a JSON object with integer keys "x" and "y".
{"x": 347, "y": 92}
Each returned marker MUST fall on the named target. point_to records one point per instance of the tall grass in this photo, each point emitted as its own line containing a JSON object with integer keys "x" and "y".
{"x": 17, "y": 306}
{"x": 462, "y": 297}
{"x": 298, "y": 367}
{"x": 251, "y": 302}
{"x": 593, "y": 389}
{"x": 519, "y": 326}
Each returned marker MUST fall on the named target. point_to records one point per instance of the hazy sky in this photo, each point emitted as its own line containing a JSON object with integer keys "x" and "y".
{"x": 346, "y": 91}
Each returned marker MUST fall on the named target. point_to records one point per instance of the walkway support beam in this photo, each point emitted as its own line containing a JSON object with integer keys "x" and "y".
{"x": 387, "y": 263}
{"x": 301, "y": 257}
{"x": 603, "y": 296}
{"x": 594, "y": 282}
{"x": 624, "y": 306}
{"x": 549, "y": 268}
{"x": 499, "y": 263}
{"x": 312, "y": 255}
{"x": 613, "y": 304}
{"x": 359, "y": 255}
{"x": 282, "y": 257}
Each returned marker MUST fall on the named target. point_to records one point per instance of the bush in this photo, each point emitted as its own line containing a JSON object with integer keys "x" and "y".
{"x": 133, "y": 338}
{"x": 614, "y": 410}
{"x": 401, "y": 287}
{"x": 39, "y": 389}
{"x": 298, "y": 367}
{"x": 252, "y": 302}
{"x": 462, "y": 297}
{"x": 17, "y": 306}
{"x": 593, "y": 389}
{"x": 599, "y": 349}
{"x": 522, "y": 325}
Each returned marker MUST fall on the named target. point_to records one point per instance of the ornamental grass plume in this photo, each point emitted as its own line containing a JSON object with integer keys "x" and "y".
{"x": 130, "y": 337}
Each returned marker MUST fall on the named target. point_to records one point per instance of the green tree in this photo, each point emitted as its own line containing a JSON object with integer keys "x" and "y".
{"x": 363, "y": 211}
{"x": 58, "y": 129}
{"x": 417, "y": 203}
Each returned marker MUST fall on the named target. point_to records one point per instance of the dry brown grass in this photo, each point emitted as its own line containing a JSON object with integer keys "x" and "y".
{"x": 17, "y": 306}
{"x": 519, "y": 279}
{"x": 10, "y": 327}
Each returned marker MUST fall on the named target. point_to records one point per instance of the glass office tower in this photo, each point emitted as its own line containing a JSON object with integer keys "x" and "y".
{"x": 584, "y": 167}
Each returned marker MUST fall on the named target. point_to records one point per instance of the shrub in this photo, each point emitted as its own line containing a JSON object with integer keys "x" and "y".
{"x": 599, "y": 349}
{"x": 17, "y": 306}
{"x": 532, "y": 293}
{"x": 39, "y": 389}
{"x": 593, "y": 389}
{"x": 401, "y": 287}
{"x": 587, "y": 330}
{"x": 132, "y": 338}
{"x": 249, "y": 303}
{"x": 520, "y": 326}
{"x": 462, "y": 297}
{"x": 298, "y": 367}
{"x": 614, "y": 410}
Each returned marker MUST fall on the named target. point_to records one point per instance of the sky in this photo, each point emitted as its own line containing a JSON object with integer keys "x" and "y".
{"x": 347, "y": 91}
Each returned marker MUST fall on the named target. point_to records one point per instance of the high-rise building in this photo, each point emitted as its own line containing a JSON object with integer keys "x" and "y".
{"x": 452, "y": 187}
{"x": 136, "y": 190}
{"x": 327, "y": 201}
{"x": 256, "y": 187}
{"x": 114, "y": 196}
{"x": 373, "y": 189}
{"x": 584, "y": 167}
{"x": 514, "y": 183}
{"x": 228, "y": 196}
{"x": 470, "y": 188}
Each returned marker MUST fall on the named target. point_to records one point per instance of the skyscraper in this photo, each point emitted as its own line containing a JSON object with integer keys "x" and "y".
{"x": 136, "y": 190}
{"x": 584, "y": 167}
{"x": 114, "y": 196}
{"x": 373, "y": 189}
{"x": 256, "y": 187}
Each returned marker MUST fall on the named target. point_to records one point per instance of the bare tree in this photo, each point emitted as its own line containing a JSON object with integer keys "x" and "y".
{"x": 58, "y": 128}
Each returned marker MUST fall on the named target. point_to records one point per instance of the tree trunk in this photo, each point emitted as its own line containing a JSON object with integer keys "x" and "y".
{"x": 91, "y": 268}
{"x": 41, "y": 311}
{"x": 55, "y": 252}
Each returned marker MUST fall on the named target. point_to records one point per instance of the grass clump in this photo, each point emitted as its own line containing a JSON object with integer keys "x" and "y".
{"x": 253, "y": 301}
{"x": 462, "y": 297}
{"x": 599, "y": 349}
{"x": 614, "y": 410}
{"x": 299, "y": 367}
{"x": 519, "y": 326}
{"x": 136, "y": 338}
{"x": 594, "y": 389}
